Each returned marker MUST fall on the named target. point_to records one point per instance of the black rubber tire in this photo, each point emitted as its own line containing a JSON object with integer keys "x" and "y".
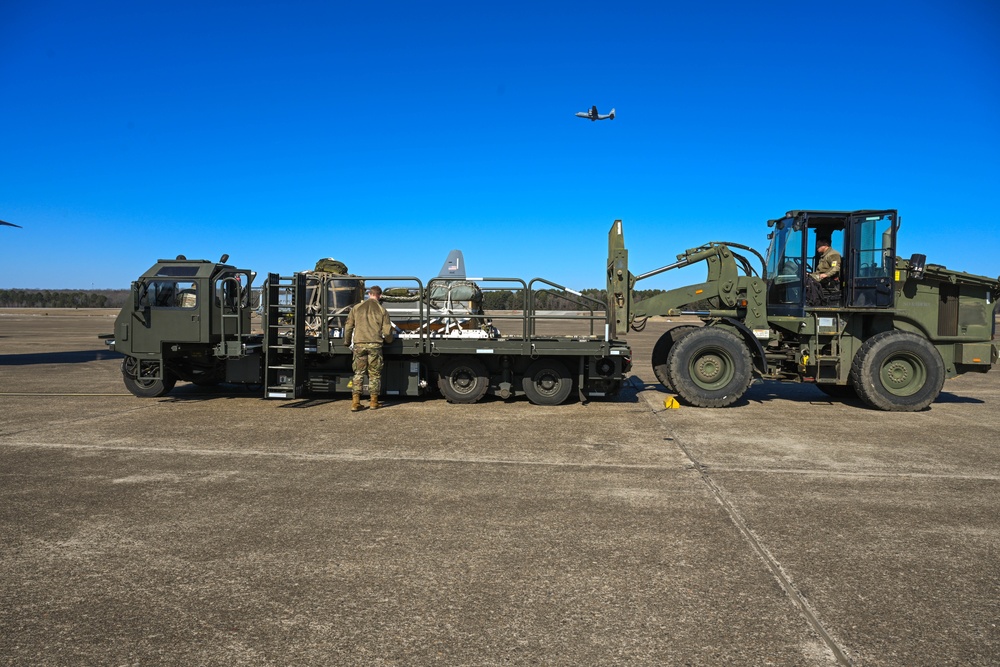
{"x": 145, "y": 387}
{"x": 710, "y": 368}
{"x": 898, "y": 371}
{"x": 662, "y": 350}
{"x": 547, "y": 382}
{"x": 463, "y": 380}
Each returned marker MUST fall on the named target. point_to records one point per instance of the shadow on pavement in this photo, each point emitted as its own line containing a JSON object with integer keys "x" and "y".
{"x": 75, "y": 357}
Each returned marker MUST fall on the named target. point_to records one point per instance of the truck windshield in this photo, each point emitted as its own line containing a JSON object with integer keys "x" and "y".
{"x": 170, "y": 294}
{"x": 785, "y": 266}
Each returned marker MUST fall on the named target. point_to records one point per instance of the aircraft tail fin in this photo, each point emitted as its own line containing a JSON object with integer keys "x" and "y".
{"x": 612, "y": 114}
{"x": 454, "y": 266}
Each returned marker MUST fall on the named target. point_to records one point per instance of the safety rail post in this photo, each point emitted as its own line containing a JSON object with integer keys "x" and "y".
{"x": 577, "y": 297}
{"x": 422, "y": 317}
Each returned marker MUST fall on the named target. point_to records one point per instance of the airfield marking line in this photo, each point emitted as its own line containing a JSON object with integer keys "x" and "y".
{"x": 849, "y": 473}
{"x": 81, "y": 418}
{"x": 358, "y": 458}
{"x": 757, "y": 545}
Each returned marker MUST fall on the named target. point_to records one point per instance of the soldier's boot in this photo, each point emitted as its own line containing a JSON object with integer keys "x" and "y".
{"x": 375, "y": 404}
{"x": 356, "y": 403}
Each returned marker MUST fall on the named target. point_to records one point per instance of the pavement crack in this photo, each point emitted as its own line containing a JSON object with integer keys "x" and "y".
{"x": 772, "y": 563}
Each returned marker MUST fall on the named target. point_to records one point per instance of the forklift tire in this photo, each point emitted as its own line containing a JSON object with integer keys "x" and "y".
{"x": 547, "y": 382}
{"x": 145, "y": 387}
{"x": 463, "y": 380}
{"x": 661, "y": 351}
{"x": 898, "y": 371}
{"x": 710, "y": 368}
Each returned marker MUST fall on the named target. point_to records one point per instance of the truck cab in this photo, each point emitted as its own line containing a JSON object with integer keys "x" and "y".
{"x": 184, "y": 318}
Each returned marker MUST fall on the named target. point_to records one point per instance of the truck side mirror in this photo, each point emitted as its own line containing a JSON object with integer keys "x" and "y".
{"x": 918, "y": 262}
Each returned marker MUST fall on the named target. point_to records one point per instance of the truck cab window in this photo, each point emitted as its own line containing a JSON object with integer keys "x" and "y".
{"x": 170, "y": 294}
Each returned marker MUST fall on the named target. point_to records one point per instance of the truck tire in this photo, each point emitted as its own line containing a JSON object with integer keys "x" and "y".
{"x": 898, "y": 371}
{"x": 547, "y": 382}
{"x": 463, "y": 380}
{"x": 709, "y": 368}
{"x": 661, "y": 351}
{"x": 145, "y": 387}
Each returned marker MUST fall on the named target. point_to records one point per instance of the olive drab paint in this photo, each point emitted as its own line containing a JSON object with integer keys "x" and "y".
{"x": 887, "y": 329}
{"x": 190, "y": 321}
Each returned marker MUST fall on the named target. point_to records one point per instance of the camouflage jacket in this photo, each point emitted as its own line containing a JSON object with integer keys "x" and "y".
{"x": 369, "y": 323}
{"x": 828, "y": 263}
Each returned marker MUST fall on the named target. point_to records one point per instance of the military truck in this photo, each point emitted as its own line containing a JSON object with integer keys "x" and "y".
{"x": 889, "y": 330}
{"x": 193, "y": 321}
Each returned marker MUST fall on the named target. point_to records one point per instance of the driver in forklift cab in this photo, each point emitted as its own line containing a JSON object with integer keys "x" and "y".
{"x": 827, "y": 261}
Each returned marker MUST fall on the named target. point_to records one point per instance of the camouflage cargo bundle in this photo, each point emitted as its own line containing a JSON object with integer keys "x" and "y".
{"x": 343, "y": 291}
{"x": 331, "y": 265}
{"x": 454, "y": 306}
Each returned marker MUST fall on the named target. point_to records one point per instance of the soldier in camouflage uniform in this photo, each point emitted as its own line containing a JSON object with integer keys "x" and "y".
{"x": 824, "y": 289}
{"x": 827, "y": 262}
{"x": 368, "y": 323}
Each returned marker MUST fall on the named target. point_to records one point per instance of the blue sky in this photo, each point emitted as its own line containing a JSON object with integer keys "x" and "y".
{"x": 385, "y": 134}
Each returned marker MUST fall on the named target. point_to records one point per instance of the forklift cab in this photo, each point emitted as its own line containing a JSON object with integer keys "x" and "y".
{"x": 866, "y": 241}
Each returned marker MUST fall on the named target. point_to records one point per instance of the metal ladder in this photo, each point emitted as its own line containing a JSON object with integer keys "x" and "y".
{"x": 284, "y": 359}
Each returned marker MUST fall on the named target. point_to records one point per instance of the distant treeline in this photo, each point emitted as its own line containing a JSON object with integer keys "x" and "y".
{"x": 111, "y": 298}
{"x": 63, "y": 298}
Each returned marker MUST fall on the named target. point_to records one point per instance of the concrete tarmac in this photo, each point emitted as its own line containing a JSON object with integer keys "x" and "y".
{"x": 213, "y": 527}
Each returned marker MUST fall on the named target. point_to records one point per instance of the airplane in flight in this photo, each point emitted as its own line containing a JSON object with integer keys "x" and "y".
{"x": 593, "y": 115}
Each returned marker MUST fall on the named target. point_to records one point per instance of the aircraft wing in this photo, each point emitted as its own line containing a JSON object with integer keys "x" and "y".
{"x": 10, "y": 224}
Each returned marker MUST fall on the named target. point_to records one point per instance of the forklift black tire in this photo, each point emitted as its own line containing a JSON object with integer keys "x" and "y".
{"x": 661, "y": 351}
{"x": 547, "y": 382}
{"x": 710, "y": 368}
{"x": 463, "y": 380}
{"x": 145, "y": 387}
{"x": 898, "y": 371}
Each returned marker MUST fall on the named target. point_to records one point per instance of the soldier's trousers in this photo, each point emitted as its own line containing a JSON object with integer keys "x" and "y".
{"x": 367, "y": 360}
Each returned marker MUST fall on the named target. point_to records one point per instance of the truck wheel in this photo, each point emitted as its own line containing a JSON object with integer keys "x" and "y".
{"x": 662, "y": 350}
{"x": 135, "y": 375}
{"x": 709, "y": 368}
{"x": 898, "y": 371}
{"x": 547, "y": 382}
{"x": 463, "y": 380}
